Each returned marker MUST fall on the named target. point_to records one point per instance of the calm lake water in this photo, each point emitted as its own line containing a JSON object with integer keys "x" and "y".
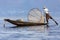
{"x": 10, "y": 32}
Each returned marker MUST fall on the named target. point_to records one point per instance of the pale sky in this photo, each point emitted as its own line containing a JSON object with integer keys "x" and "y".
{"x": 21, "y": 8}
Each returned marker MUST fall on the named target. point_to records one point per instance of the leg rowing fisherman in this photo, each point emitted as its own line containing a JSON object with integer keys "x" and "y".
{"x": 46, "y": 11}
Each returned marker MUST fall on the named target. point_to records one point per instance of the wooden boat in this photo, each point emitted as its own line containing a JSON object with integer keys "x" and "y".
{"x": 35, "y": 18}
{"x": 21, "y": 23}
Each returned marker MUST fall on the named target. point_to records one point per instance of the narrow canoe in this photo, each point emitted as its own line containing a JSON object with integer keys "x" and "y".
{"x": 21, "y": 23}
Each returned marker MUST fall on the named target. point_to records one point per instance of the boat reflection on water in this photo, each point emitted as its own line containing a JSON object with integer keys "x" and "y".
{"x": 41, "y": 28}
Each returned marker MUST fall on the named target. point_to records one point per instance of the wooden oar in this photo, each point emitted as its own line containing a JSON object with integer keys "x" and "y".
{"x": 53, "y": 20}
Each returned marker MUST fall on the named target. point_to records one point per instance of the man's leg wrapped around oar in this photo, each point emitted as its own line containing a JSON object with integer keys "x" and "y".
{"x": 49, "y": 17}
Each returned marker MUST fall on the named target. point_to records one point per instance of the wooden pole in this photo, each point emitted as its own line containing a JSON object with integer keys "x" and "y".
{"x": 54, "y": 20}
{"x": 4, "y": 24}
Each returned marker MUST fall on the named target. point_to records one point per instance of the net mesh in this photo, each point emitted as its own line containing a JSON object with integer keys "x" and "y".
{"x": 35, "y": 15}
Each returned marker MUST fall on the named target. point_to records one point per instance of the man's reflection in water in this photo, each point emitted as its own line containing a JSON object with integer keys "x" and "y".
{"x": 41, "y": 28}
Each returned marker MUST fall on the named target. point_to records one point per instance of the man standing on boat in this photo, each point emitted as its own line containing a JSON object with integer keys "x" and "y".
{"x": 46, "y": 11}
